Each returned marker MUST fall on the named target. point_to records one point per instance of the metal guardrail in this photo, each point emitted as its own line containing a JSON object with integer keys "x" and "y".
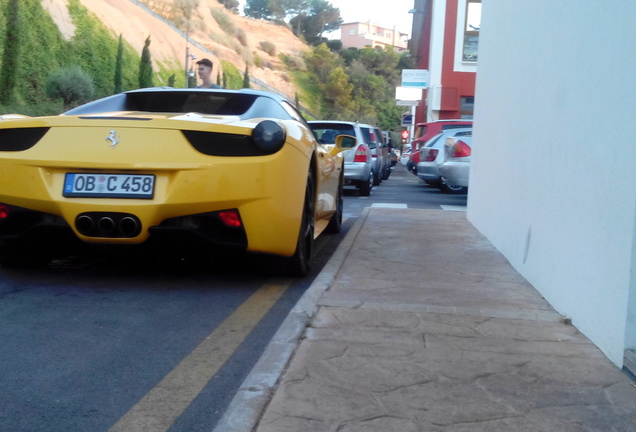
{"x": 255, "y": 80}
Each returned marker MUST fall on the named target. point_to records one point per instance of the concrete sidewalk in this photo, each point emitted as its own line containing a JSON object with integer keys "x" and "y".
{"x": 427, "y": 327}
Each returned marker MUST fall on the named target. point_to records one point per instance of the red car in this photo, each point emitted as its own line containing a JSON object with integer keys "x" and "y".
{"x": 426, "y": 131}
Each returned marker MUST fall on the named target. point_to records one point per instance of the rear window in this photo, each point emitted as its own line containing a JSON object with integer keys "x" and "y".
{"x": 455, "y": 126}
{"x": 326, "y": 133}
{"x": 369, "y": 137}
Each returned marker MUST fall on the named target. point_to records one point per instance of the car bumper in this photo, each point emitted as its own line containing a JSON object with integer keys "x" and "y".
{"x": 266, "y": 191}
{"x": 455, "y": 173}
{"x": 428, "y": 171}
{"x": 355, "y": 172}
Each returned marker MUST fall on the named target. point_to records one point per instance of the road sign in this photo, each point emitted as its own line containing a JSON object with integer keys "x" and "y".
{"x": 407, "y": 119}
{"x": 415, "y": 78}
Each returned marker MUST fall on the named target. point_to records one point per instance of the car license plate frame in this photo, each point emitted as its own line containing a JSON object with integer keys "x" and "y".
{"x": 109, "y": 185}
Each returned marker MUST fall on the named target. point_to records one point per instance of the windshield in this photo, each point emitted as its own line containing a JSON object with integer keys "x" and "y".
{"x": 326, "y": 133}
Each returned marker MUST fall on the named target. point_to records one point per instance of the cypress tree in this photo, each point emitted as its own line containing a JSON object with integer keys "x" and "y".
{"x": 145, "y": 66}
{"x": 119, "y": 66}
{"x": 246, "y": 77}
{"x": 11, "y": 54}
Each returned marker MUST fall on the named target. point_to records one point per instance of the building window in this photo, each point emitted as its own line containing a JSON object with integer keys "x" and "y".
{"x": 352, "y": 31}
{"x": 467, "y": 107}
{"x": 471, "y": 30}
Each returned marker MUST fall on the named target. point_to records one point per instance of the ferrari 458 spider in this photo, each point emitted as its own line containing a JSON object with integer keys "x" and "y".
{"x": 219, "y": 168}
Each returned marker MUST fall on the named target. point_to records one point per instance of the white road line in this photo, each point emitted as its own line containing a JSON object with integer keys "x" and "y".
{"x": 453, "y": 208}
{"x": 388, "y": 205}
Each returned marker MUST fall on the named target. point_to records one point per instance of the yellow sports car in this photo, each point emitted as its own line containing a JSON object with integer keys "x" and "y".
{"x": 188, "y": 167}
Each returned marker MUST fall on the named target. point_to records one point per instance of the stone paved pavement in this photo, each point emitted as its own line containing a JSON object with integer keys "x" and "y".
{"x": 428, "y": 328}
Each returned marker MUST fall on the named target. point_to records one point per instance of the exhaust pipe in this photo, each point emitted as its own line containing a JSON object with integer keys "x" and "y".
{"x": 84, "y": 224}
{"x": 106, "y": 225}
{"x": 129, "y": 226}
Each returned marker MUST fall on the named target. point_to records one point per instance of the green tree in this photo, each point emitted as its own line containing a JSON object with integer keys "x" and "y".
{"x": 232, "y": 5}
{"x": 322, "y": 61}
{"x": 145, "y": 66}
{"x": 119, "y": 62}
{"x": 171, "y": 80}
{"x": 319, "y": 16}
{"x": 259, "y": 9}
{"x": 338, "y": 91}
{"x": 72, "y": 85}
{"x": 246, "y": 77}
{"x": 11, "y": 54}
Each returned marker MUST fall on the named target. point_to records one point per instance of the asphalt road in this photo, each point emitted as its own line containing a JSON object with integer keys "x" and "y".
{"x": 117, "y": 343}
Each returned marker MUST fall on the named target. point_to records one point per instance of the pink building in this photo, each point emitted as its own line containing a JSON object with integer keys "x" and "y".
{"x": 368, "y": 34}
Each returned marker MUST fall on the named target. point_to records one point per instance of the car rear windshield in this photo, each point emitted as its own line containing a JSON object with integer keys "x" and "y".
{"x": 244, "y": 105}
{"x": 326, "y": 133}
{"x": 183, "y": 102}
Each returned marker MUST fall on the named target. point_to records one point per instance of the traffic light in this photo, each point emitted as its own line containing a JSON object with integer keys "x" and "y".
{"x": 405, "y": 136}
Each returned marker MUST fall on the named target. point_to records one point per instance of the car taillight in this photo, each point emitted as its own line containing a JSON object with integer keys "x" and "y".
{"x": 432, "y": 155}
{"x": 230, "y": 218}
{"x": 362, "y": 154}
{"x": 461, "y": 149}
{"x": 5, "y": 211}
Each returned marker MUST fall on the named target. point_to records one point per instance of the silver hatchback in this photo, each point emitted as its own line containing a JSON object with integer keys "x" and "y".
{"x": 359, "y": 163}
{"x": 432, "y": 155}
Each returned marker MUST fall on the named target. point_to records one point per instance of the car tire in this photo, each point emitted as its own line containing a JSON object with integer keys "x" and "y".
{"x": 335, "y": 223}
{"x": 377, "y": 179}
{"x": 386, "y": 174}
{"x": 453, "y": 189}
{"x": 365, "y": 187}
{"x": 299, "y": 264}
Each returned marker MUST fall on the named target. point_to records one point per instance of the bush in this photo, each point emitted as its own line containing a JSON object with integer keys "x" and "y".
{"x": 294, "y": 63}
{"x": 224, "y": 21}
{"x": 242, "y": 38}
{"x": 267, "y": 47}
{"x": 72, "y": 85}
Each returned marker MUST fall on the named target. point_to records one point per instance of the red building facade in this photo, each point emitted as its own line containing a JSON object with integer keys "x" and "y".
{"x": 444, "y": 42}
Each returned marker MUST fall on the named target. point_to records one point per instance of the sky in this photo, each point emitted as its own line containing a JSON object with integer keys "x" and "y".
{"x": 387, "y": 14}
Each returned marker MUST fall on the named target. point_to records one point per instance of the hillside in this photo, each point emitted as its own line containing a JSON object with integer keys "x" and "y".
{"x": 237, "y": 42}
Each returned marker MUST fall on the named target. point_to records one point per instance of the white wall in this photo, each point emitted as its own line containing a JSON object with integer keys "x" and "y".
{"x": 553, "y": 182}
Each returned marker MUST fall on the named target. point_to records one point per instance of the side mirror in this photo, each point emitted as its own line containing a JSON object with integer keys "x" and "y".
{"x": 344, "y": 142}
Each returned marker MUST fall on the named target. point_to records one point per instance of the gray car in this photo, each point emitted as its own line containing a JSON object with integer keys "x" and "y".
{"x": 359, "y": 163}
{"x": 456, "y": 168}
{"x": 432, "y": 156}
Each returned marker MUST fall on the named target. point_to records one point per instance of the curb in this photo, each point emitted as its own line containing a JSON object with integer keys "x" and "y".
{"x": 249, "y": 403}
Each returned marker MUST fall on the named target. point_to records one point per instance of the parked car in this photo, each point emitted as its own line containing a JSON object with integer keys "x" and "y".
{"x": 432, "y": 156}
{"x": 456, "y": 168}
{"x": 383, "y": 154}
{"x": 373, "y": 140}
{"x": 199, "y": 169}
{"x": 359, "y": 164}
{"x": 406, "y": 154}
{"x": 425, "y": 131}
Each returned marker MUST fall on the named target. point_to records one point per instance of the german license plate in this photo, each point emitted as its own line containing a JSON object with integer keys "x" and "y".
{"x": 140, "y": 186}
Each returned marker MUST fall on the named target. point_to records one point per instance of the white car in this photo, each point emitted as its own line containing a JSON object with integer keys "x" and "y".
{"x": 406, "y": 154}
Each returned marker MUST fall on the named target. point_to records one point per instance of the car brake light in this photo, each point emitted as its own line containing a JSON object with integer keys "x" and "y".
{"x": 362, "y": 153}
{"x": 230, "y": 218}
{"x": 5, "y": 211}
{"x": 432, "y": 155}
{"x": 461, "y": 149}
